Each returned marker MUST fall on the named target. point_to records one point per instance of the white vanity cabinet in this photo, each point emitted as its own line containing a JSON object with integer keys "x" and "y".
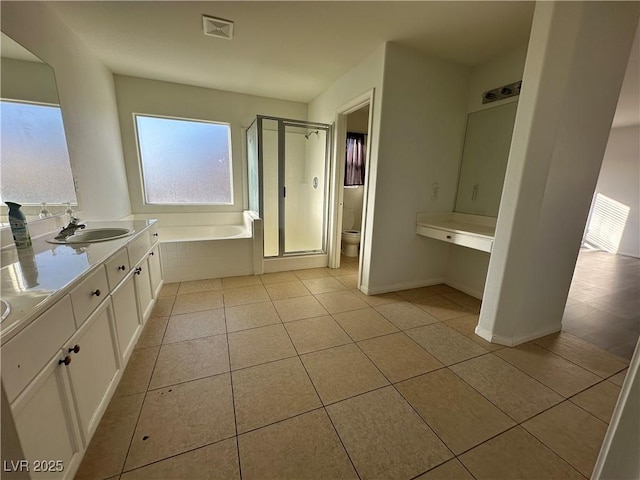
{"x": 143, "y": 288}
{"x": 155, "y": 270}
{"x": 94, "y": 368}
{"x": 145, "y": 257}
{"x": 46, "y": 423}
{"x": 60, "y": 372}
{"x": 37, "y": 385}
{"x": 126, "y": 316}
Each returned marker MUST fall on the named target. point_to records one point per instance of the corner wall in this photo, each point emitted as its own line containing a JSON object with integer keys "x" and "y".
{"x": 365, "y": 76}
{"x": 619, "y": 180}
{"x": 420, "y": 143}
{"x": 87, "y": 97}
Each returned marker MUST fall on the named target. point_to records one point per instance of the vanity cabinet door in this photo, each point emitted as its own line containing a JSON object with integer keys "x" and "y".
{"x": 94, "y": 368}
{"x": 155, "y": 270}
{"x": 46, "y": 425}
{"x": 126, "y": 316}
{"x": 143, "y": 289}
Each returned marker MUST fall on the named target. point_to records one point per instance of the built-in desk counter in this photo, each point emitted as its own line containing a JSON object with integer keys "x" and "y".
{"x": 472, "y": 231}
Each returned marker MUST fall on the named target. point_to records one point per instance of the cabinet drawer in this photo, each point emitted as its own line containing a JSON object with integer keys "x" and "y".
{"x": 88, "y": 295}
{"x": 117, "y": 268}
{"x": 139, "y": 247}
{"x": 477, "y": 242}
{"x": 26, "y": 354}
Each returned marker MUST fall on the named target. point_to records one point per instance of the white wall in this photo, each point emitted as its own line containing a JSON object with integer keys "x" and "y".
{"x": 87, "y": 98}
{"x": 365, "y": 76}
{"x": 420, "y": 143}
{"x": 139, "y": 95}
{"x": 502, "y": 69}
{"x": 30, "y": 81}
{"x": 619, "y": 180}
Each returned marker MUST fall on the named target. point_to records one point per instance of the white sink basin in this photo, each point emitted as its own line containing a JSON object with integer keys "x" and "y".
{"x": 93, "y": 235}
{"x": 5, "y": 309}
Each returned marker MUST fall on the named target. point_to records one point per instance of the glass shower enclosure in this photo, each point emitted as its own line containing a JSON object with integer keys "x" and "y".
{"x": 288, "y": 164}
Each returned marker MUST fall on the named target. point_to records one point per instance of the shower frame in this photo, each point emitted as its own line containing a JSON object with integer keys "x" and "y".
{"x": 283, "y": 123}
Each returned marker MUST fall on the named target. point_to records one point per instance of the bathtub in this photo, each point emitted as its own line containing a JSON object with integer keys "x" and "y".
{"x": 197, "y": 246}
{"x": 194, "y": 233}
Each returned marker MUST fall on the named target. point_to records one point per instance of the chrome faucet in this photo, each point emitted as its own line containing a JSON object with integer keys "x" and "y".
{"x": 70, "y": 229}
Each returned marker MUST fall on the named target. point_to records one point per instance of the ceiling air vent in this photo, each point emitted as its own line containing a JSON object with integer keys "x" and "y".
{"x": 217, "y": 27}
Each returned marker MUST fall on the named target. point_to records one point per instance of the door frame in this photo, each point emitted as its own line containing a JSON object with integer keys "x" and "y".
{"x": 337, "y": 180}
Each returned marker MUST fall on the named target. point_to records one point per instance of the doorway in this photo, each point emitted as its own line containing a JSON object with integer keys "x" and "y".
{"x": 356, "y": 147}
{"x": 362, "y": 109}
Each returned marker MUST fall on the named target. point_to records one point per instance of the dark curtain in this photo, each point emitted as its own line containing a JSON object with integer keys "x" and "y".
{"x": 354, "y": 168}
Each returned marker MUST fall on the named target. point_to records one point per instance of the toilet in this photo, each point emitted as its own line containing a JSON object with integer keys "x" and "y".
{"x": 350, "y": 237}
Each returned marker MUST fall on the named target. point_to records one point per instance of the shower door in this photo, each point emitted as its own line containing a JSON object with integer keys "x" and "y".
{"x": 293, "y": 168}
{"x": 303, "y": 169}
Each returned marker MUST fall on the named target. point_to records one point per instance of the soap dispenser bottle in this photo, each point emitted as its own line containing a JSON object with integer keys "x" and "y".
{"x": 18, "y": 223}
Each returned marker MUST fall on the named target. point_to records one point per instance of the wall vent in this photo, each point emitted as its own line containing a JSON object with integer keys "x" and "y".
{"x": 217, "y": 27}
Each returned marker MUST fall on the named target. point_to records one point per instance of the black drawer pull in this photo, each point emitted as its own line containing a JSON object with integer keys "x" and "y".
{"x": 122, "y": 267}
{"x": 74, "y": 349}
{"x": 138, "y": 270}
{"x": 96, "y": 292}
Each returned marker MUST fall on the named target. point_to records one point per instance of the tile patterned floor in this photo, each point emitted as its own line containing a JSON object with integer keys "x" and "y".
{"x": 604, "y": 301}
{"x": 298, "y": 375}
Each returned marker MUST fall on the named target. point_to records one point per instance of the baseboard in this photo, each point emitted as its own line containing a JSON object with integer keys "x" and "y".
{"x": 463, "y": 288}
{"x": 399, "y": 286}
{"x": 514, "y": 341}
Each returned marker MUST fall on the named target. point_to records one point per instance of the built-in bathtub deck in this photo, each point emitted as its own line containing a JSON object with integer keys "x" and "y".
{"x": 196, "y": 246}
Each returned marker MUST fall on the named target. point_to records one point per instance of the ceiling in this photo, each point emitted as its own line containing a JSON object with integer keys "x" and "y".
{"x": 286, "y": 50}
{"x": 295, "y": 50}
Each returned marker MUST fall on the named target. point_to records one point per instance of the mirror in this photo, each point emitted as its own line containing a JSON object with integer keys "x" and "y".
{"x": 34, "y": 157}
{"x": 484, "y": 160}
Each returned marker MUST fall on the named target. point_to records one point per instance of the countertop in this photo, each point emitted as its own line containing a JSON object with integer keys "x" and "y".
{"x": 35, "y": 278}
{"x": 459, "y": 223}
{"x": 471, "y": 231}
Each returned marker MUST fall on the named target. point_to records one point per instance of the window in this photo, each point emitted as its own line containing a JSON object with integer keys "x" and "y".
{"x": 33, "y": 155}
{"x": 184, "y": 161}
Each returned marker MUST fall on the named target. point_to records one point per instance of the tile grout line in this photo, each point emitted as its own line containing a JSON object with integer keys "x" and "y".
{"x": 324, "y": 407}
{"x": 233, "y": 399}
{"x": 146, "y": 392}
{"x": 391, "y": 384}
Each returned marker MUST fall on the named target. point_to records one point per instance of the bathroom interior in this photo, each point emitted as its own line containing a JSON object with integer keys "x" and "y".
{"x": 370, "y": 175}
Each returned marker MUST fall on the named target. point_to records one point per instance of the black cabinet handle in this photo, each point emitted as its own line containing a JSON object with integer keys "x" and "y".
{"x": 151, "y": 253}
{"x": 96, "y": 292}
{"x": 122, "y": 267}
{"x": 74, "y": 349}
{"x": 66, "y": 360}
{"x": 138, "y": 270}
{"x": 155, "y": 234}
